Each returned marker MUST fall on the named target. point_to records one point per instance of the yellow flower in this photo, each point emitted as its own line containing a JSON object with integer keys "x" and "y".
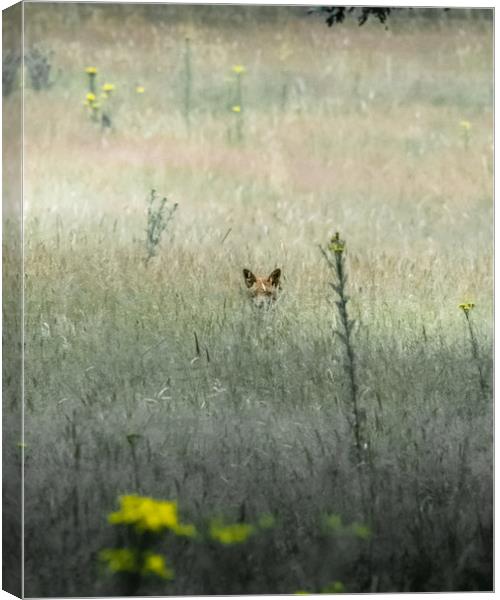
{"x": 90, "y": 97}
{"x": 120, "y": 559}
{"x": 108, "y": 87}
{"x": 91, "y": 70}
{"x": 231, "y": 534}
{"x": 145, "y": 513}
{"x": 155, "y": 564}
{"x": 239, "y": 69}
{"x": 236, "y": 109}
{"x": 466, "y": 306}
{"x": 466, "y": 125}
{"x": 139, "y": 89}
{"x": 148, "y": 514}
{"x": 336, "y": 244}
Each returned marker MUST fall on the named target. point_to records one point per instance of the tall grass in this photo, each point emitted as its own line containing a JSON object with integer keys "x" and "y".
{"x": 252, "y": 417}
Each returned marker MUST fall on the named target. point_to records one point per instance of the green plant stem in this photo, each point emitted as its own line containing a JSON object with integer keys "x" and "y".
{"x": 338, "y": 267}
{"x": 475, "y": 354}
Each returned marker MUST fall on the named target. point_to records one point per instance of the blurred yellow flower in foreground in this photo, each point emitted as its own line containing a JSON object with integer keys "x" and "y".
{"x": 231, "y": 534}
{"x": 126, "y": 560}
{"x": 90, "y": 97}
{"x": 239, "y": 69}
{"x": 148, "y": 514}
{"x": 466, "y": 125}
{"x": 91, "y": 70}
{"x": 108, "y": 87}
{"x": 139, "y": 89}
{"x": 236, "y": 109}
{"x": 155, "y": 564}
{"x": 119, "y": 559}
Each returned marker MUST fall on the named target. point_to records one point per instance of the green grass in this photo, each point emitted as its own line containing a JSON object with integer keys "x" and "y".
{"x": 368, "y": 142}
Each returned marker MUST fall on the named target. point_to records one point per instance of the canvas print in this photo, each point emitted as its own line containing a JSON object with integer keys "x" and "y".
{"x": 248, "y": 299}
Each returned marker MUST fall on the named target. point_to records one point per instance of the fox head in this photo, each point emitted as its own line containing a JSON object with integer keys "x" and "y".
{"x": 263, "y": 290}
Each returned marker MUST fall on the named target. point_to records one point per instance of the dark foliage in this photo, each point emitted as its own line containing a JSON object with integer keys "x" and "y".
{"x": 10, "y": 66}
{"x": 39, "y": 67}
{"x": 337, "y": 14}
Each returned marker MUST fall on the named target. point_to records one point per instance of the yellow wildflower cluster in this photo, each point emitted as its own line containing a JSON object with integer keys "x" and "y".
{"x": 125, "y": 560}
{"x": 336, "y": 244}
{"x": 119, "y": 559}
{"x": 155, "y": 564}
{"x": 239, "y": 69}
{"x": 148, "y": 514}
{"x": 231, "y": 534}
{"x": 466, "y": 306}
{"x": 108, "y": 88}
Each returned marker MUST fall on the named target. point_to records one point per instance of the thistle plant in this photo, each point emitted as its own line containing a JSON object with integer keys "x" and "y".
{"x": 466, "y": 308}
{"x": 159, "y": 216}
{"x": 108, "y": 92}
{"x": 93, "y": 106}
{"x": 334, "y": 255}
{"x": 92, "y": 75}
{"x": 91, "y": 101}
{"x": 237, "y": 105}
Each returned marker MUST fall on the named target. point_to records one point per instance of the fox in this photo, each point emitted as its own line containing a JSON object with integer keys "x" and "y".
{"x": 263, "y": 290}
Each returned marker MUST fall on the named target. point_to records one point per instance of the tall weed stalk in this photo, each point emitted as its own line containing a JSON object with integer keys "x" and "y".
{"x": 158, "y": 217}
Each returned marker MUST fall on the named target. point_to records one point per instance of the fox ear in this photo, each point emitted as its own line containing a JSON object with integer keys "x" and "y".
{"x": 249, "y": 278}
{"x": 275, "y": 277}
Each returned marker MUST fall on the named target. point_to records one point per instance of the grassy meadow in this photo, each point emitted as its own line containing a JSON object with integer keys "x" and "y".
{"x": 163, "y": 380}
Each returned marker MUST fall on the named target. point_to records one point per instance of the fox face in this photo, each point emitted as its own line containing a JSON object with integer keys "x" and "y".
{"x": 263, "y": 290}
